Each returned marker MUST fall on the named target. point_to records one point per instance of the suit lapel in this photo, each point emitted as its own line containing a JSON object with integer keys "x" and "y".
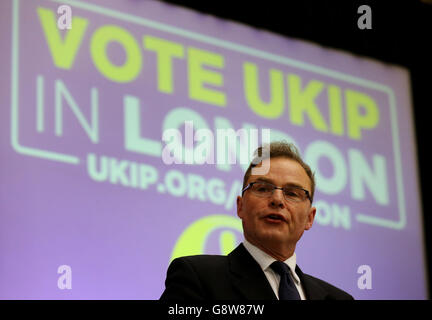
{"x": 248, "y": 277}
{"x": 251, "y": 282}
{"x": 312, "y": 290}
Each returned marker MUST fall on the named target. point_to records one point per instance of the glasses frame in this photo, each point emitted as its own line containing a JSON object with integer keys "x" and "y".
{"x": 280, "y": 188}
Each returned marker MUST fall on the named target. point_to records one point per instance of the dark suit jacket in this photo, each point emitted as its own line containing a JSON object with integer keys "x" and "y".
{"x": 233, "y": 277}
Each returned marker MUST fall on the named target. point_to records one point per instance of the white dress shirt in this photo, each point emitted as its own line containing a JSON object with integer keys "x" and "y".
{"x": 265, "y": 260}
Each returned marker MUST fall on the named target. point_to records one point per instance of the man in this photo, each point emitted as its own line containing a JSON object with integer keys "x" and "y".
{"x": 275, "y": 209}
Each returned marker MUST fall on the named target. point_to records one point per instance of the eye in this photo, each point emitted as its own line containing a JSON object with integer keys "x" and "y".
{"x": 291, "y": 192}
{"x": 263, "y": 188}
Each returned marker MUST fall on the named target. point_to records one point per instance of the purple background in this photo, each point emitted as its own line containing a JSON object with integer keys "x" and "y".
{"x": 118, "y": 240}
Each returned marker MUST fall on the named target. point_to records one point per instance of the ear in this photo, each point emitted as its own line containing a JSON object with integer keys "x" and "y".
{"x": 310, "y": 218}
{"x": 239, "y": 206}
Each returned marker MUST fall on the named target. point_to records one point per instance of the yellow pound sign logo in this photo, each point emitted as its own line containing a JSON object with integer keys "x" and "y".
{"x": 193, "y": 240}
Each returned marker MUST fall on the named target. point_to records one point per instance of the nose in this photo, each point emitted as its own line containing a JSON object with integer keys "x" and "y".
{"x": 277, "y": 199}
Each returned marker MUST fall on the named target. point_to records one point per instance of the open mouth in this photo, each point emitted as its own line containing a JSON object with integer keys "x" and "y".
{"x": 274, "y": 218}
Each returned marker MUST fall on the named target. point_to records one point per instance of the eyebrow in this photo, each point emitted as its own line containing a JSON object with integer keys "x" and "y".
{"x": 289, "y": 184}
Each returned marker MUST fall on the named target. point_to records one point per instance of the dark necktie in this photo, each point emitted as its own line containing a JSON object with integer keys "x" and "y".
{"x": 287, "y": 289}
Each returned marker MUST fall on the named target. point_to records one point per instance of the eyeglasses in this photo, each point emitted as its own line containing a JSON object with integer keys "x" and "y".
{"x": 265, "y": 189}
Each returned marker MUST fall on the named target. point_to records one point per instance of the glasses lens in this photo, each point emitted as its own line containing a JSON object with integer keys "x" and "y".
{"x": 262, "y": 189}
{"x": 294, "y": 194}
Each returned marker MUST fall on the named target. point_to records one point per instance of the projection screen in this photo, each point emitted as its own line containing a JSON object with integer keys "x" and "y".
{"x": 125, "y": 139}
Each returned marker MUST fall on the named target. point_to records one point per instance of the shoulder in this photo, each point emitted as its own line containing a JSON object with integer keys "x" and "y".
{"x": 194, "y": 277}
{"x": 198, "y": 264}
{"x": 327, "y": 290}
{"x": 200, "y": 260}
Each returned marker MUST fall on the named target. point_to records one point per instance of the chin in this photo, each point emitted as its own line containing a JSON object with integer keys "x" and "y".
{"x": 276, "y": 237}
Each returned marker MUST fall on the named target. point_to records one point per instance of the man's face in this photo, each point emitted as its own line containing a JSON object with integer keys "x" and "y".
{"x": 294, "y": 217}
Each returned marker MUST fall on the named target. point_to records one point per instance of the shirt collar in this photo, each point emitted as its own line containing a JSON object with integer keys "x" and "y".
{"x": 265, "y": 260}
